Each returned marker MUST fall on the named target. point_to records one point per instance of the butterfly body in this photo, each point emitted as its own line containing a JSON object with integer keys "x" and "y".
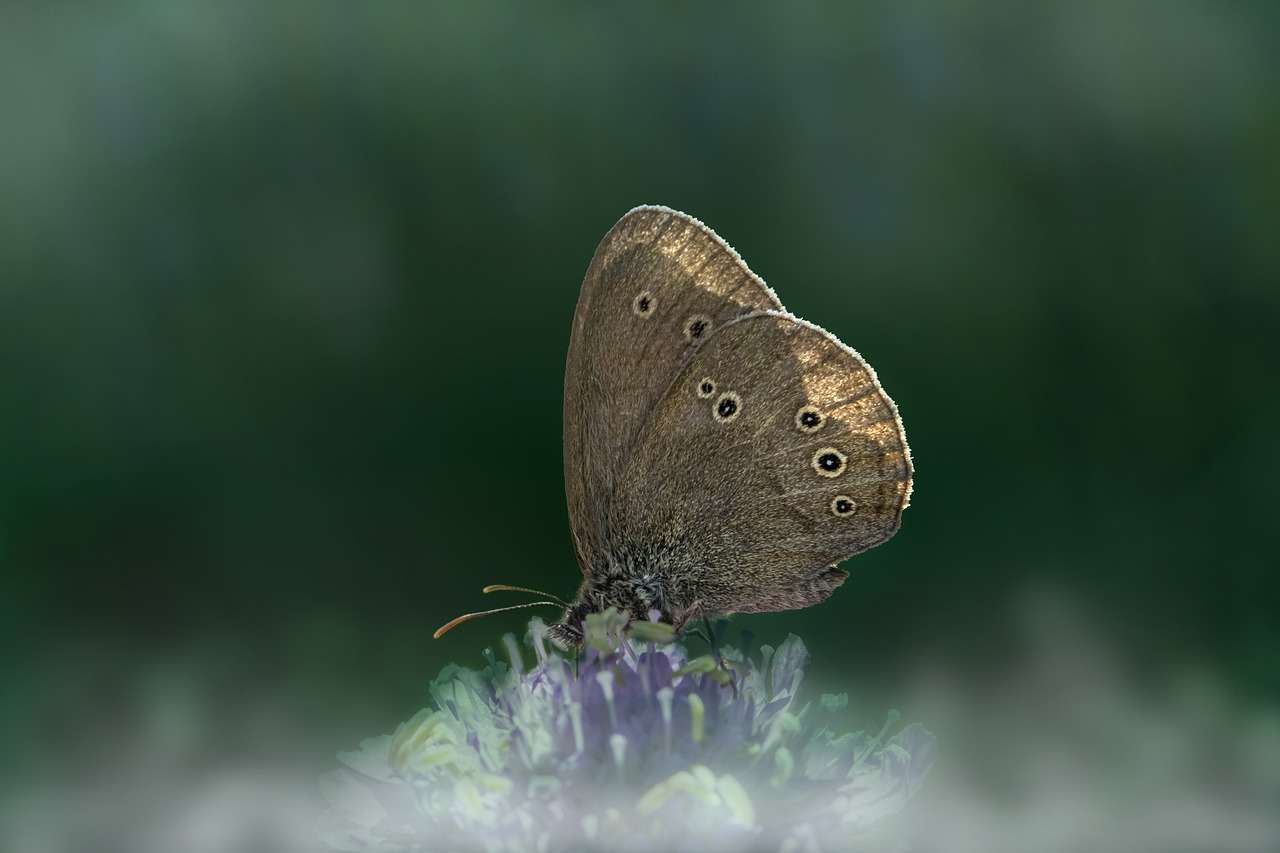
{"x": 721, "y": 455}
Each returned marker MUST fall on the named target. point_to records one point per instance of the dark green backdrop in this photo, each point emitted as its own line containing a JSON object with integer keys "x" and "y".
{"x": 285, "y": 295}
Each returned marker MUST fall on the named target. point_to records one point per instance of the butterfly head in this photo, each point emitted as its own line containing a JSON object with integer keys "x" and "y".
{"x": 635, "y": 595}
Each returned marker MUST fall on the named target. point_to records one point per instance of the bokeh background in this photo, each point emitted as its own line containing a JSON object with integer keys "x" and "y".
{"x": 285, "y": 295}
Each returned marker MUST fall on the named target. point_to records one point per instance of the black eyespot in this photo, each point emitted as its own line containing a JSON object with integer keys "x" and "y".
{"x": 706, "y": 387}
{"x": 696, "y": 327}
{"x": 842, "y": 505}
{"x": 829, "y": 462}
{"x": 644, "y": 304}
{"x": 728, "y": 407}
{"x": 809, "y": 419}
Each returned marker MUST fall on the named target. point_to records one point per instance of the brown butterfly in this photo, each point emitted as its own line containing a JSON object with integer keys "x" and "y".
{"x": 720, "y": 454}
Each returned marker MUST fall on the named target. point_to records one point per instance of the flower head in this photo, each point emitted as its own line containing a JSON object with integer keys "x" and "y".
{"x": 640, "y": 748}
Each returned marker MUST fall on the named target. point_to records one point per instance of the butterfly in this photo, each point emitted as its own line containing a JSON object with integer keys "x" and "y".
{"x": 721, "y": 455}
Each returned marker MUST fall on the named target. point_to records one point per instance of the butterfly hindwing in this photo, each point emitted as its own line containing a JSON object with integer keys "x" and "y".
{"x": 773, "y": 455}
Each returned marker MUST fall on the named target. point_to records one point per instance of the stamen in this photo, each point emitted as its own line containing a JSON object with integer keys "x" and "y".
{"x": 737, "y": 799}
{"x": 606, "y": 684}
{"x": 889, "y": 723}
{"x": 575, "y": 717}
{"x": 697, "y": 718}
{"x": 665, "y": 695}
{"x": 513, "y": 652}
{"x": 618, "y": 743}
{"x": 786, "y": 765}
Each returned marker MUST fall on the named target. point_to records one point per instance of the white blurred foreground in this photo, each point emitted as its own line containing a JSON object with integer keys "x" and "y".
{"x": 1064, "y": 751}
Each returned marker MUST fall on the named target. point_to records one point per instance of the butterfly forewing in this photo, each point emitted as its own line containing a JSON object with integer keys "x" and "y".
{"x": 659, "y": 286}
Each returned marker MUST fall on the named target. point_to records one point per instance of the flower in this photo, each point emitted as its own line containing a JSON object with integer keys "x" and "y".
{"x": 640, "y": 748}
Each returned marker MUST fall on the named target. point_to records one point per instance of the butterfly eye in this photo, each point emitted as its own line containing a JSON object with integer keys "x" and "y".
{"x": 808, "y": 419}
{"x": 706, "y": 388}
{"x": 644, "y": 304}
{"x": 696, "y": 327}
{"x": 829, "y": 462}
{"x": 842, "y": 505}
{"x": 728, "y": 407}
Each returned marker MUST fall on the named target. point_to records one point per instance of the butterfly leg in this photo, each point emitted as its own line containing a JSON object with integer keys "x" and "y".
{"x": 726, "y": 670}
{"x": 713, "y": 640}
{"x": 711, "y": 637}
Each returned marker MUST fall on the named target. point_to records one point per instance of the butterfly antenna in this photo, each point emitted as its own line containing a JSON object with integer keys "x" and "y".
{"x": 452, "y": 623}
{"x": 495, "y": 587}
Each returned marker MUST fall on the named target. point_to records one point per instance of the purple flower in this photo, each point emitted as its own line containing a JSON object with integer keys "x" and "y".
{"x": 640, "y": 749}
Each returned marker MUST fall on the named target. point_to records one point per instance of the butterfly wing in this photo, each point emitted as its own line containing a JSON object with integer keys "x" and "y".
{"x": 774, "y": 455}
{"x": 659, "y": 285}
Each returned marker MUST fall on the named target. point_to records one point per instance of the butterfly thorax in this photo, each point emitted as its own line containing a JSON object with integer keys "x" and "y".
{"x": 633, "y": 594}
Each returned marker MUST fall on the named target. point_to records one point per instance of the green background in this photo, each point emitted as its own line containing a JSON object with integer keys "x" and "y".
{"x": 286, "y": 291}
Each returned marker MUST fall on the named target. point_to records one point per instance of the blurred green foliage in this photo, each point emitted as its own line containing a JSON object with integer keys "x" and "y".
{"x": 285, "y": 294}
